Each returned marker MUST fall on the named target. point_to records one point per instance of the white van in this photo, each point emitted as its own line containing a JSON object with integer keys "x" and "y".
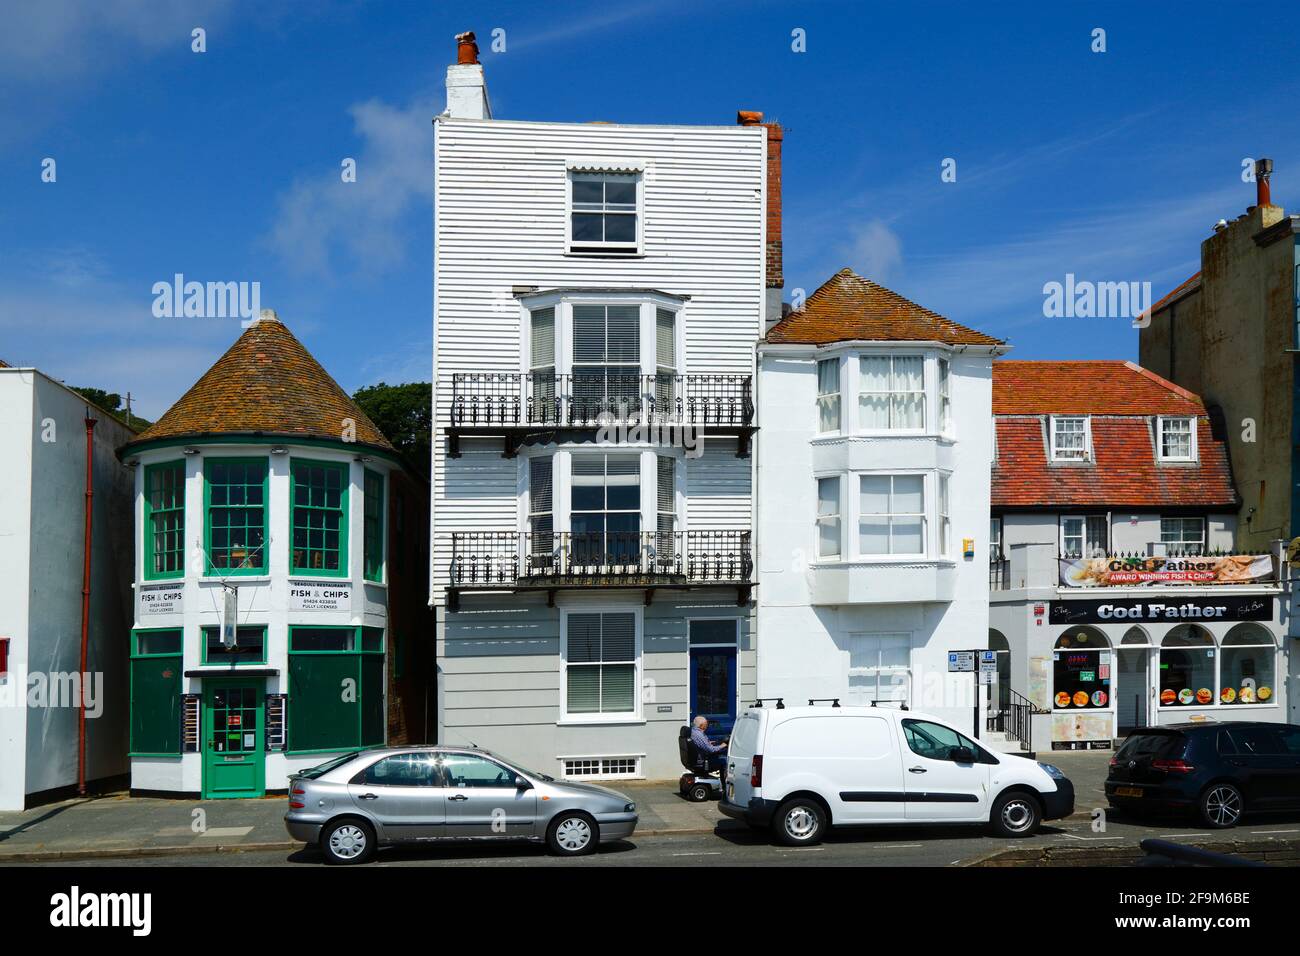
{"x": 802, "y": 769}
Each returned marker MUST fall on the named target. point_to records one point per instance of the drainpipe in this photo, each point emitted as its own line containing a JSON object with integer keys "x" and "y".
{"x": 85, "y": 602}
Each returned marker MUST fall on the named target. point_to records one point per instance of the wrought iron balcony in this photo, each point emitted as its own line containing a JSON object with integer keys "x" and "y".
{"x": 515, "y": 404}
{"x": 542, "y": 561}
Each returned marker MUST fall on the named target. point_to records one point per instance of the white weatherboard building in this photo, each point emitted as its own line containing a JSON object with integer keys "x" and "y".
{"x": 873, "y": 478}
{"x": 599, "y": 290}
{"x": 42, "y": 553}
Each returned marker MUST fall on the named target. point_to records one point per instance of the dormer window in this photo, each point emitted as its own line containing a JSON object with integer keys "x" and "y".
{"x": 1070, "y": 436}
{"x": 604, "y": 212}
{"x": 1176, "y": 439}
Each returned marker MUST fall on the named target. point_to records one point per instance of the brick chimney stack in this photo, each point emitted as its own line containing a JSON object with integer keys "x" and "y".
{"x": 466, "y": 87}
{"x": 775, "y": 263}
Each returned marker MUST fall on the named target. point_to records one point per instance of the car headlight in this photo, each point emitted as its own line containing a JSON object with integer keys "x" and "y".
{"x": 629, "y": 808}
{"x": 1053, "y": 772}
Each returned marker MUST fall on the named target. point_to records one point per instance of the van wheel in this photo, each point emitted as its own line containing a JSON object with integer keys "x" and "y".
{"x": 1015, "y": 815}
{"x": 1221, "y": 806}
{"x": 799, "y": 822}
{"x": 572, "y": 834}
{"x": 348, "y": 841}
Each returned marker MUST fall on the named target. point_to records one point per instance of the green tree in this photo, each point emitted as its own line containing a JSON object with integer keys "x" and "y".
{"x": 111, "y": 402}
{"x": 404, "y": 413}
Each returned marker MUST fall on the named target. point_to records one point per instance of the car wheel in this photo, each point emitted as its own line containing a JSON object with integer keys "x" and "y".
{"x": 799, "y": 822}
{"x": 348, "y": 841}
{"x": 1221, "y": 806}
{"x": 573, "y": 834}
{"x": 1015, "y": 814}
{"x": 699, "y": 793}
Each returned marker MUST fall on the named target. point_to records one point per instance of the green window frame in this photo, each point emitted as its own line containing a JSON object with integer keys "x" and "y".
{"x": 326, "y": 713}
{"x": 319, "y": 518}
{"x": 238, "y": 659}
{"x": 234, "y": 515}
{"x": 155, "y": 726}
{"x": 373, "y": 526}
{"x": 164, "y": 520}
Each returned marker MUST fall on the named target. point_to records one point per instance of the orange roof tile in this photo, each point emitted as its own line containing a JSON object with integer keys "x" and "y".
{"x": 1106, "y": 387}
{"x": 848, "y": 307}
{"x": 267, "y": 384}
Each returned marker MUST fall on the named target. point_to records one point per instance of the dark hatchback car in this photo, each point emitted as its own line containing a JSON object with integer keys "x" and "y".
{"x": 1218, "y": 770}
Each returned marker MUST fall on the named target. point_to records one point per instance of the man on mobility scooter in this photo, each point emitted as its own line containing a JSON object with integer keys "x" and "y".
{"x": 700, "y": 756}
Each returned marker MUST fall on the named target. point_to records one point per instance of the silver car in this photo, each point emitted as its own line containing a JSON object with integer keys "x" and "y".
{"x": 352, "y": 805}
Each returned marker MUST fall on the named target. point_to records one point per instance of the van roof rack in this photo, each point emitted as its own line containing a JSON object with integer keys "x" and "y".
{"x": 761, "y": 701}
{"x": 901, "y": 705}
{"x": 813, "y": 701}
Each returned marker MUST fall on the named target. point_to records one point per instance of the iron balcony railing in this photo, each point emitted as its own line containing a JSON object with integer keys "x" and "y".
{"x": 563, "y": 559}
{"x": 600, "y": 397}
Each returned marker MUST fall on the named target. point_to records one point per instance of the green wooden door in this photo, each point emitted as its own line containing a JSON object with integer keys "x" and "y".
{"x": 234, "y": 755}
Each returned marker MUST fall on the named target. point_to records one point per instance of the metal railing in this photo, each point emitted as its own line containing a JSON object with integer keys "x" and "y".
{"x": 565, "y": 558}
{"x": 1014, "y": 717}
{"x": 601, "y": 396}
{"x": 999, "y": 574}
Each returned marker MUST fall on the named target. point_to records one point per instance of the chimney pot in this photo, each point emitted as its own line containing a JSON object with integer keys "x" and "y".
{"x": 748, "y": 117}
{"x": 1263, "y": 170}
{"x": 466, "y": 48}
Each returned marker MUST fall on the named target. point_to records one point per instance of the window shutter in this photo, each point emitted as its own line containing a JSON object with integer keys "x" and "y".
{"x": 666, "y": 339}
{"x": 588, "y": 334}
{"x": 666, "y": 543}
{"x": 618, "y": 637}
{"x": 623, "y": 337}
{"x": 540, "y": 492}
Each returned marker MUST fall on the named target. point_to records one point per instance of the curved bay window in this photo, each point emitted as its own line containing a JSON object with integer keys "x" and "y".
{"x": 1187, "y": 676}
{"x": 1081, "y": 670}
{"x": 1248, "y": 666}
{"x": 320, "y": 531}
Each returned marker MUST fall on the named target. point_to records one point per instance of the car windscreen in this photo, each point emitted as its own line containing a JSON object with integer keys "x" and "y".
{"x": 328, "y": 765}
{"x": 1151, "y": 745}
{"x": 744, "y": 736}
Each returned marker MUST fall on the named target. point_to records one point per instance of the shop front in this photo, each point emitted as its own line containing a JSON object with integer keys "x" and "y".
{"x": 1105, "y": 665}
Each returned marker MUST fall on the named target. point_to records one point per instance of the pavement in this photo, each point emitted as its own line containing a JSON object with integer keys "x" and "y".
{"x": 672, "y": 832}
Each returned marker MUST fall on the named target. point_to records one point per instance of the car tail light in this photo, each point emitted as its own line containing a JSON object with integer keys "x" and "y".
{"x": 1172, "y": 766}
{"x": 296, "y": 805}
{"x": 1114, "y": 761}
{"x": 297, "y": 789}
{"x": 756, "y": 771}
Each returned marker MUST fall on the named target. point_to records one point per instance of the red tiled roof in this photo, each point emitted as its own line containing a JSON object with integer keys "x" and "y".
{"x": 1122, "y": 400}
{"x": 1105, "y": 387}
{"x": 848, "y": 307}
{"x": 266, "y": 384}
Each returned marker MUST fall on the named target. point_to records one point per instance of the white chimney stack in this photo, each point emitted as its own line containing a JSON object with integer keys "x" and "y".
{"x": 466, "y": 88}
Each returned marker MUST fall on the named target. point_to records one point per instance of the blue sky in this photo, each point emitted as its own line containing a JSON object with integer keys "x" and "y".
{"x": 224, "y": 165}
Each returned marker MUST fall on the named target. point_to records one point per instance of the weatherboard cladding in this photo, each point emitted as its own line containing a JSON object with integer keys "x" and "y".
{"x": 1122, "y": 401}
{"x": 268, "y": 383}
{"x": 501, "y": 199}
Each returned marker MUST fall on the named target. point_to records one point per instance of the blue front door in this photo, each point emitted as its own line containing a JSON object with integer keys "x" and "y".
{"x": 713, "y": 688}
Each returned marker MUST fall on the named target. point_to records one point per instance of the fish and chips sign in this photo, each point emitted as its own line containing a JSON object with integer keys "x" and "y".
{"x": 314, "y": 596}
{"x": 1112, "y": 571}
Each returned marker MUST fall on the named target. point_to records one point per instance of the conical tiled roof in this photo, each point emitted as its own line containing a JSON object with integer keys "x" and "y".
{"x": 850, "y": 308}
{"x": 266, "y": 385}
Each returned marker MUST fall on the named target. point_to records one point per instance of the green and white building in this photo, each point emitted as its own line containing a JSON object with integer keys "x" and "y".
{"x": 269, "y": 624}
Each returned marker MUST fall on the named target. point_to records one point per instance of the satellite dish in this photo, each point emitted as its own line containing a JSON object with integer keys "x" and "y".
{"x": 1293, "y": 553}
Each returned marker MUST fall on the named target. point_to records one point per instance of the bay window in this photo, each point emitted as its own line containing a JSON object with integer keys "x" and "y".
{"x": 601, "y": 657}
{"x": 541, "y": 366}
{"x": 606, "y": 360}
{"x": 828, "y": 517}
{"x": 891, "y": 392}
{"x": 605, "y": 509}
{"x": 828, "y": 395}
{"x": 891, "y": 517}
{"x": 945, "y": 398}
{"x": 373, "y": 526}
{"x": 945, "y": 520}
{"x": 235, "y": 515}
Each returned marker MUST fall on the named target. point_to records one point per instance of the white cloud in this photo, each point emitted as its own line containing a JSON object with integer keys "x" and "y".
{"x": 324, "y": 225}
{"x": 875, "y": 252}
{"x": 44, "y": 40}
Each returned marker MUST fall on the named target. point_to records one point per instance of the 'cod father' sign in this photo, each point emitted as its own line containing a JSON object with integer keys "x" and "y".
{"x": 161, "y": 599}
{"x": 315, "y": 596}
